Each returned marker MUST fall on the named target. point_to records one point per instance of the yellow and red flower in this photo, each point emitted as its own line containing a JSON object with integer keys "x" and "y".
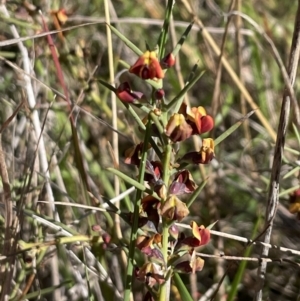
{"x": 173, "y": 209}
{"x": 192, "y": 265}
{"x": 147, "y": 66}
{"x": 204, "y": 156}
{"x": 177, "y": 128}
{"x": 199, "y": 120}
{"x": 207, "y": 150}
{"x": 201, "y": 236}
{"x": 183, "y": 183}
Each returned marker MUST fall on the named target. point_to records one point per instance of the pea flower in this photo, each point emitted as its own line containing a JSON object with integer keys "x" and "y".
{"x": 199, "y": 120}
{"x": 132, "y": 154}
{"x": 125, "y": 94}
{"x": 191, "y": 265}
{"x": 204, "y": 156}
{"x": 201, "y": 236}
{"x": 173, "y": 209}
{"x": 150, "y": 273}
{"x": 147, "y": 66}
{"x": 177, "y": 128}
{"x": 168, "y": 61}
{"x": 183, "y": 183}
{"x": 150, "y": 205}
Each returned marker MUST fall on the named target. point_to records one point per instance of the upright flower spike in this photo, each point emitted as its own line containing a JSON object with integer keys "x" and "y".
{"x": 147, "y": 66}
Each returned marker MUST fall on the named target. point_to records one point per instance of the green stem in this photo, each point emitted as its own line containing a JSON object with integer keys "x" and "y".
{"x": 166, "y": 164}
{"x": 164, "y": 33}
{"x": 165, "y": 239}
{"x": 163, "y": 296}
{"x": 162, "y": 136}
{"x": 143, "y": 127}
{"x": 196, "y": 194}
{"x": 137, "y": 205}
{"x": 184, "y": 293}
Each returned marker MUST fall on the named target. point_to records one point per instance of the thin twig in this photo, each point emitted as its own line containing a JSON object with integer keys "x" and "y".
{"x": 253, "y": 259}
{"x": 247, "y": 241}
{"x": 6, "y": 271}
{"x": 147, "y": 22}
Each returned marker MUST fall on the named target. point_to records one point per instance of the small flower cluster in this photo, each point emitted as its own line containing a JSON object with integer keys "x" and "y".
{"x": 188, "y": 122}
{"x": 146, "y": 67}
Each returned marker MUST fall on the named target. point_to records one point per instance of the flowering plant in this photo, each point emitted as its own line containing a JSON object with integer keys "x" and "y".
{"x": 163, "y": 181}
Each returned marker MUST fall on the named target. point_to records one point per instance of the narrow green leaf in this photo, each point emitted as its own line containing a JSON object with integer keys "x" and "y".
{"x": 232, "y": 128}
{"x": 296, "y": 130}
{"x": 107, "y": 85}
{"x": 182, "y": 39}
{"x": 184, "y": 293}
{"x": 195, "y": 194}
{"x": 292, "y": 151}
{"x": 127, "y": 179}
{"x": 288, "y": 191}
{"x": 242, "y": 266}
{"x": 177, "y": 100}
{"x": 125, "y": 40}
{"x": 211, "y": 225}
{"x": 164, "y": 32}
{"x": 292, "y": 172}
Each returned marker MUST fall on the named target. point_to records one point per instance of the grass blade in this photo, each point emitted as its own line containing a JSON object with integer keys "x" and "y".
{"x": 232, "y": 129}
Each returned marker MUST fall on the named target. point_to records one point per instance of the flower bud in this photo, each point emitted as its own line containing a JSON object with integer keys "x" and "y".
{"x": 168, "y": 61}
